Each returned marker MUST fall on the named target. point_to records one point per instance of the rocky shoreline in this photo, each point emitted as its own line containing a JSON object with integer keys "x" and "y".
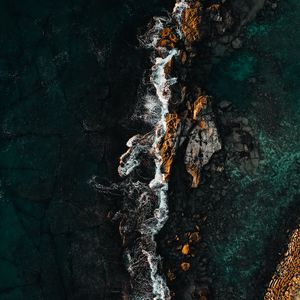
{"x": 192, "y": 135}
{"x": 181, "y": 243}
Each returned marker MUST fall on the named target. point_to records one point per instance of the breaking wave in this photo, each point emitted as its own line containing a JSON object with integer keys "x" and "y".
{"x": 145, "y": 208}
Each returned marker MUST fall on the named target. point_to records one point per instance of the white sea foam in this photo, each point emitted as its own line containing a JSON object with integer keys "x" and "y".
{"x": 179, "y": 7}
{"x": 157, "y": 105}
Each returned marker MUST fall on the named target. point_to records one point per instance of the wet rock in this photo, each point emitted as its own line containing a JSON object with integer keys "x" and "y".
{"x": 274, "y": 5}
{"x": 226, "y": 22}
{"x": 285, "y": 283}
{"x": 203, "y": 141}
{"x": 237, "y": 43}
{"x": 191, "y": 20}
{"x": 225, "y": 105}
{"x": 185, "y": 266}
{"x": 169, "y": 145}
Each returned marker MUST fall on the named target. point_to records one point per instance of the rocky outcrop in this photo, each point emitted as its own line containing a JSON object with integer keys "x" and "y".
{"x": 191, "y": 123}
{"x": 168, "y": 148}
{"x": 203, "y": 140}
{"x": 191, "y": 20}
{"x": 238, "y": 137}
{"x": 285, "y": 284}
{"x": 168, "y": 38}
{"x": 196, "y": 130}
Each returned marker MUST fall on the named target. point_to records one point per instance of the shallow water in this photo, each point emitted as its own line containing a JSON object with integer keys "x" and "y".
{"x": 262, "y": 80}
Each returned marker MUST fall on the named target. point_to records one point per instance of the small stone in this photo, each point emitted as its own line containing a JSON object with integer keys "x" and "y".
{"x": 185, "y": 249}
{"x": 237, "y": 43}
{"x": 225, "y": 105}
{"x": 274, "y": 5}
{"x": 171, "y": 275}
{"x": 195, "y": 236}
{"x": 185, "y": 266}
{"x": 245, "y": 121}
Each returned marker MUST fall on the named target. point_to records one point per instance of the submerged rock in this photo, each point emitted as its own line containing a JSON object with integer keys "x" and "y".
{"x": 237, "y": 43}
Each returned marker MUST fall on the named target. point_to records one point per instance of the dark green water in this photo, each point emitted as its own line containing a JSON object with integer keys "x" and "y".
{"x": 262, "y": 79}
{"x": 62, "y": 63}
{"x": 65, "y": 66}
{"x": 69, "y": 72}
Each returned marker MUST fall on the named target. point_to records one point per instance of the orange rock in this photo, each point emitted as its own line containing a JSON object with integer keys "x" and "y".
{"x": 168, "y": 147}
{"x": 185, "y": 249}
{"x": 165, "y": 43}
{"x": 168, "y": 67}
{"x": 195, "y": 236}
{"x": 199, "y": 104}
{"x": 165, "y": 32}
{"x": 202, "y": 124}
{"x": 185, "y": 266}
{"x": 214, "y": 7}
{"x": 204, "y": 136}
{"x": 191, "y": 20}
{"x": 173, "y": 38}
{"x": 171, "y": 275}
{"x": 168, "y": 38}
{"x": 285, "y": 284}
{"x": 195, "y": 175}
{"x": 183, "y": 57}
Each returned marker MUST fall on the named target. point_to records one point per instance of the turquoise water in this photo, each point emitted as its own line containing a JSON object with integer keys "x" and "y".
{"x": 262, "y": 80}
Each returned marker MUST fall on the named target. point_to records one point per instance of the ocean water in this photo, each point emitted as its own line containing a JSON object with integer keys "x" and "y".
{"x": 69, "y": 75}
{"x": 262, "y": 80}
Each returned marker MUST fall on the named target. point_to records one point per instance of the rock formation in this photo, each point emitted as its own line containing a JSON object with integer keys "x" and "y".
{"x": 191, "y": 20}
{"x": 203, "y": 141}
{"x": 185, "y": 130}
{"x": 285, "y": 284}
{"x": 170, "y": 143}
{"x": 191, "y": 123}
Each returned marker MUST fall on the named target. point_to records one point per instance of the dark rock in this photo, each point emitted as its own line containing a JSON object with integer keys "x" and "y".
{"x": 225, "y": 105}
{"x": 237, "y": 43}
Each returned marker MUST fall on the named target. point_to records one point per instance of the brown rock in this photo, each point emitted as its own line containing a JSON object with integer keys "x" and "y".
{"x": 165, "y": 43}
{"x": 168, "y": 38}
{"x": 183, "y": 57}
{"x": 285, "y": 284}
{"x": 168, "y": 148}
{"x": 185, "y": 266}
{"x": 195, "y": 236}
{"x": 185, "y": 249}
{"x": 191, "y": 20}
